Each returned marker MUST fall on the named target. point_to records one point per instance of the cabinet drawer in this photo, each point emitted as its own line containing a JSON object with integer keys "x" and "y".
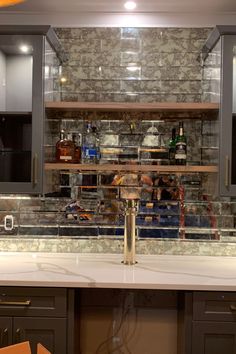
{"x": 27, "y": 301}
{"x": 214, "y": 306}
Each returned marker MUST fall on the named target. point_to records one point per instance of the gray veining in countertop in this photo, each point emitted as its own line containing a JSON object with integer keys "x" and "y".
{"x": 166, "y": 272}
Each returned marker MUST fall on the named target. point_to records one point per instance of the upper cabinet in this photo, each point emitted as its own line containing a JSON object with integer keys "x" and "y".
{"x": 219, "y": 55}
{"x": 26, "y": 61}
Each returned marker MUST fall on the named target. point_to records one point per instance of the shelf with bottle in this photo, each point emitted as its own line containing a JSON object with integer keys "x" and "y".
{"x": 134, "y": 150}
{"x": 131, "y": 150}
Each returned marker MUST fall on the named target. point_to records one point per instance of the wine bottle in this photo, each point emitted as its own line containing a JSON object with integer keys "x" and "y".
{"x": 171, "y": 146}
{"x": 181, "y": 146}
{"x": 76, "y": 139}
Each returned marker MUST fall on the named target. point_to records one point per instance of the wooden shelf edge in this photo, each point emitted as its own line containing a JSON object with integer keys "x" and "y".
{"x": 132, "y": 106}
{"x": 130, "y": 168}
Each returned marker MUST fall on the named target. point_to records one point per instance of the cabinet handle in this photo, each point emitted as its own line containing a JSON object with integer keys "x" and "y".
{"x": 18, "y": 335}
{"x": 35, "y": 169}
{"x": 232, "y": 308}
{"x": 15, "y": 303}
{"x": 226, "y": 171}
{"x": 4, "y": 337}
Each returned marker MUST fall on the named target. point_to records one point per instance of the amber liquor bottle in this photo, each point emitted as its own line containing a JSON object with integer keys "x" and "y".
{"x": 65, "y": 149}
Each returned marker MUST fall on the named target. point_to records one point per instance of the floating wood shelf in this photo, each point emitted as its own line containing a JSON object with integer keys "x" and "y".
{"x": 127, "y": 107}
{"x": 131, "y": 168}
{"x": 15, "y": 113}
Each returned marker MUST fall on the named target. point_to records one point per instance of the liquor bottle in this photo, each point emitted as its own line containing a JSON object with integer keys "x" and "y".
{"x": 77, "y": 141}
{"x": 171, "y": 147}
{"x": 90, "y": 146}
{"x": 65, "y": 149}
{"x": 181, "y": 147}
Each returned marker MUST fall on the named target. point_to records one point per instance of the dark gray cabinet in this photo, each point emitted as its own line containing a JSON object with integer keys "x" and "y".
{"x": 48, "y": 331}
{"x": 214, "y": 323}
{"x": 6, "y": 331}
{"x": 219, "y": 54}
{"x": 44, "y": 315}
{"x": 207, "y": 323}
{"x": 24, "y": 52}
{"x": 228, "y": 117}
{"x": 214, "y": 338}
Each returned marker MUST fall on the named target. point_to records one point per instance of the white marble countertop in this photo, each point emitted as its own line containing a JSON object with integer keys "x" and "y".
{"x": 107, "y": 271}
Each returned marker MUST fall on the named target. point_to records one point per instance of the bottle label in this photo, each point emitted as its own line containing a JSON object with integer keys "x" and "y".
{"x": 90, "y": 153}
{"x": 181, "y": 151}
{"x": 65, "y": 157}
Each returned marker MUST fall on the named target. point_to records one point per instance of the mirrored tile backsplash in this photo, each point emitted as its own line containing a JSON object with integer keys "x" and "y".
{"x": 84, "y": 211}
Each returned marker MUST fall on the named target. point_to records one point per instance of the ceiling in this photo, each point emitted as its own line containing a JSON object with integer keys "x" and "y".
{"x": 112, "y": 13}
{"x": 115, "y": 6}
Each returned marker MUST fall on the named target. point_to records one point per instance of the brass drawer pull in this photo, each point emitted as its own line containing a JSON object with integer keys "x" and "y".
{"x": 4, "y": 337}
{"x": 35, "y": 169}
{"x": 18, "y": 338}
{"x": 15, "y": 303}
{"x": 233, "y": 308}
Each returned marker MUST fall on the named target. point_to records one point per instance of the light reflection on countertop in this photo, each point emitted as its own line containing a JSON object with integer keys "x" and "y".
{"x": 107, "y": 271}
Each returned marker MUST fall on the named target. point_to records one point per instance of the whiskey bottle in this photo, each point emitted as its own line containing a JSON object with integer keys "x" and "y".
{"x": 171, "y": 147}
{"x": 181, "y": 147}
{"x": 65, "y": 149}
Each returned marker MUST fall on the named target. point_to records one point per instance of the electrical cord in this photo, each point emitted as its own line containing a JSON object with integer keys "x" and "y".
{"x": 123, "y": 323}
{"x": 126, "y": 335}
{"x": 111, "y": 337}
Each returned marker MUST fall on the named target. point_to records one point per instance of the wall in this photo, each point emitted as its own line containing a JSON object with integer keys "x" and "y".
{"x": 165, "y": 67}
{"x": 128, "y": 321}
{"x": 19, "y": 83}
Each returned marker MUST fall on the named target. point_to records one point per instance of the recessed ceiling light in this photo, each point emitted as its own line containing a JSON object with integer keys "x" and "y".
{"x": 24, "y": 48}
{"x": 63, "y": 79}
{"x": 130, "y": 5}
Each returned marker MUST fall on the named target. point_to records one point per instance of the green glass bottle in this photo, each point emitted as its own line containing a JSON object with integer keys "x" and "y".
{"x": 181, "y": 146}
{"x": 171, "y": 147}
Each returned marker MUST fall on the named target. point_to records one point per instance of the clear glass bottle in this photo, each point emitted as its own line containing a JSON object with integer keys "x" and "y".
{"x": 90, "y": 146}
{"x": 181, "y": 146}
{"x": 65, "y": 149}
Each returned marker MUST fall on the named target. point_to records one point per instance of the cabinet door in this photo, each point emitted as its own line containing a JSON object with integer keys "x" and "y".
{"x": 51, "y": 332}
{"x": 214, "y": 338}
{"x": 227, "y": 173}
{"x": 5, "y": 331}
{"x": 21, "y": 113}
